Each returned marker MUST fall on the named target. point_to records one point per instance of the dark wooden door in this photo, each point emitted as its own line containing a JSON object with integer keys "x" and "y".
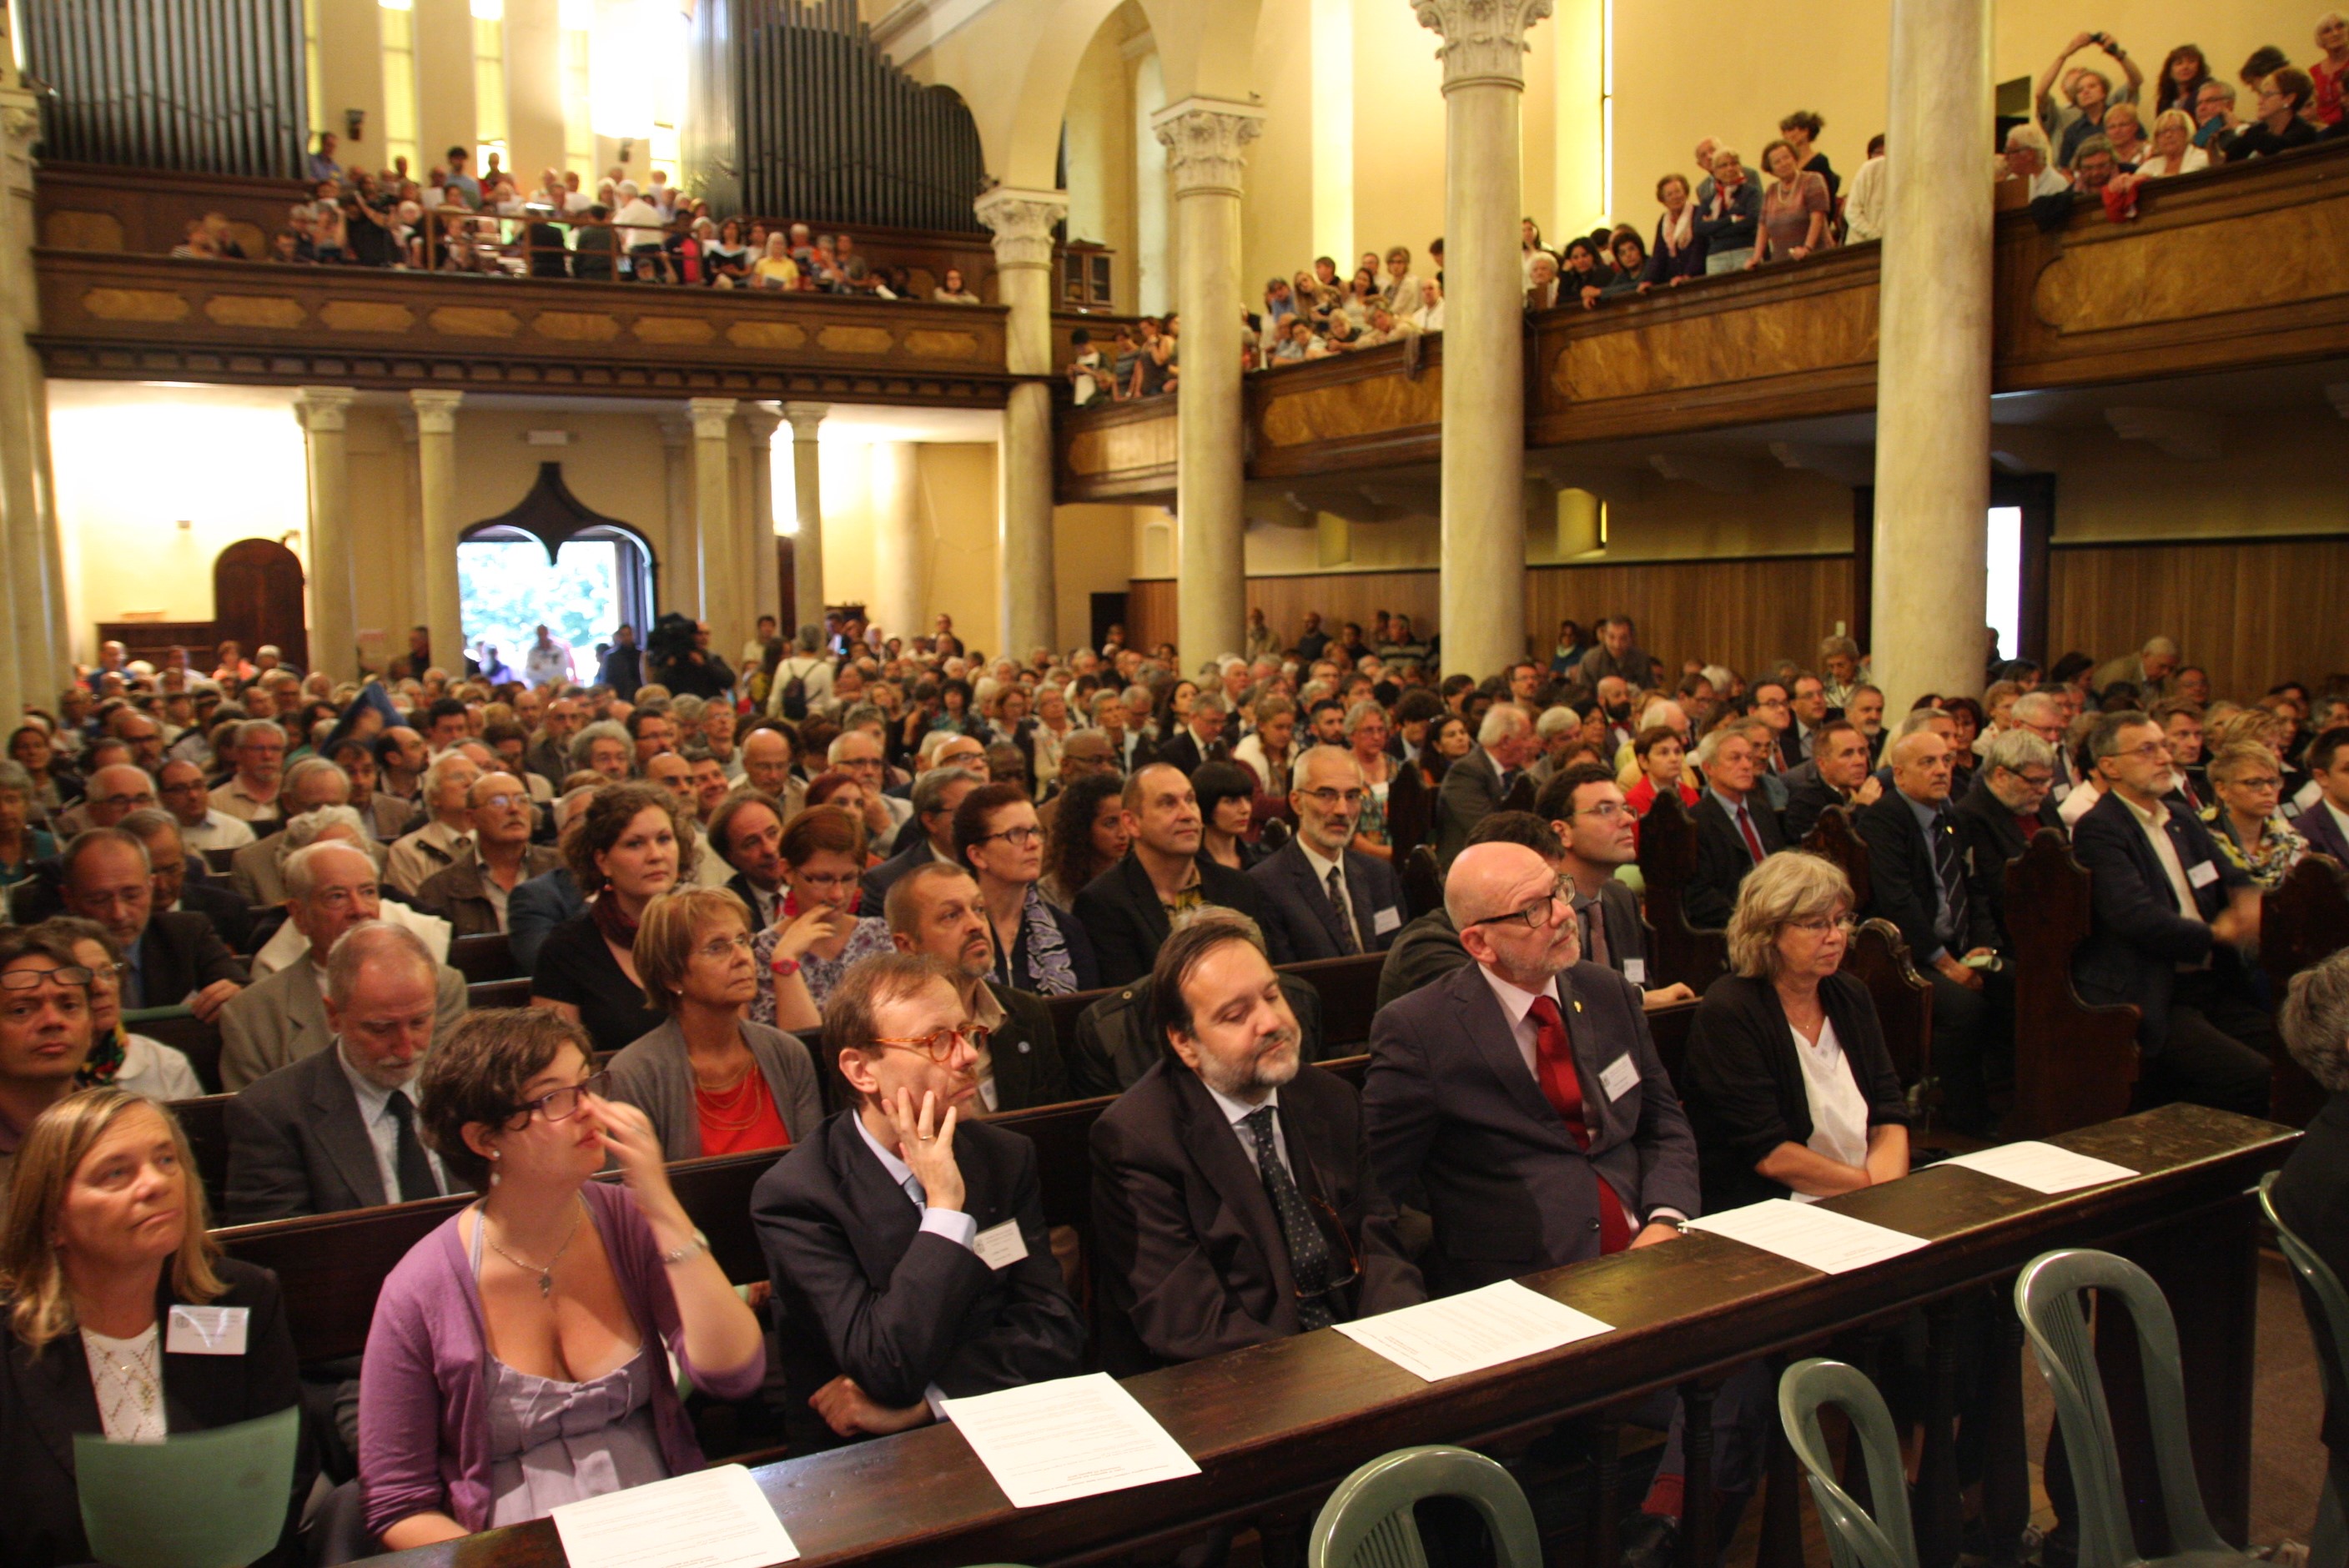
{"x": 258, "y": 599}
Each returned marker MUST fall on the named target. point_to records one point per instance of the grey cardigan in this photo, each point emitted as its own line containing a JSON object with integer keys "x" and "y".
{"x": 652, "y": 1073}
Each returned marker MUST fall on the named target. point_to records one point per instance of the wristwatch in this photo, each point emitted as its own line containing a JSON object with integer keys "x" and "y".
{"x": 784, "y": 968}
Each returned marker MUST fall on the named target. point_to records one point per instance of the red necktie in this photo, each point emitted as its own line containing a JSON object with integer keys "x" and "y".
{"x": 1561, "y": 1085}
{"x": 1753, "y": 840}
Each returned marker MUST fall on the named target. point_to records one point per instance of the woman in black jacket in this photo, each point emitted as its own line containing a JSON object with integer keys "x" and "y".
{"x": 1787, "y": 1084}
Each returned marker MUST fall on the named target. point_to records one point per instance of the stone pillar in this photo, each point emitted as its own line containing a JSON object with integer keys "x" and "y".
{"x": 1023, "y": 223}
{"x": 807, "y": 504}
{"x": 679, "y": 587}
{"x": 1204, "y": 138}
{"x": 1481, "y": 602}
{"x": 33, "y": 658}
{"x": 435, "y": 471}
{"x": 722, "y": 592}
{"x": 900, "y": 553}
{"x": 759, "y": 560}
{"x": 334, "y": 586}
{"x": 1934, "y": 359}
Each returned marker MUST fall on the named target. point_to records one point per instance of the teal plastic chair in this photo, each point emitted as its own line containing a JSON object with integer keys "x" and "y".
{"x": 1856, "y": 1539}
{"x": 2047, "y": 1298}
{"x": 2328, "y": 1546}
{"x": 207, "y": 1500}
{"x": 1367, "y": 1522}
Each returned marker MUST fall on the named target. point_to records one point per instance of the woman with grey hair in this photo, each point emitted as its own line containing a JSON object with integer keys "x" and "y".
{"x": 21, "y": 843}
{"x": 1788, "y": 1084}
{"x": 2312, "y": 1193}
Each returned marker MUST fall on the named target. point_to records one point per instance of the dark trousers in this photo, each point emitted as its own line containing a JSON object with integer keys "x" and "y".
{"x": 1973, "y": 1045}
{"x": 2219, "y": 1052}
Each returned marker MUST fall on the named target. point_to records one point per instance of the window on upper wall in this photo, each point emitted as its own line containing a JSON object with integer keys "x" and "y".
{"x": 397, "y": 34}
{"x": 490, "y": 85}
{"x": 2002, "y": 597}
{"x": 578, "y": 18}
{"x": 314, "y": 75}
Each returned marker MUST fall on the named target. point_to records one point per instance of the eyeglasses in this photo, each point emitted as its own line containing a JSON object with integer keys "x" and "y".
{"x": 939, "y": 1045}
{"x": 500, "y": 802}
{"x": 560, "y": 1104}
{"x": 1330, "y": 799}
{"x": 1606, "y": 810}
{"x": 1332, "y": 1229}
{"x": 1822, "y": 927}
{"x": 2152, "y": 751}
{"x": 30, "y": 979}
{"x": 138, "y": 798}
{"x": 1533, "y": 916}
{"x": 1025, "y": 836}
{"x": 2262, "y": 784}
{"x": 345, "y": 897}
{"x": 727, "y": 946}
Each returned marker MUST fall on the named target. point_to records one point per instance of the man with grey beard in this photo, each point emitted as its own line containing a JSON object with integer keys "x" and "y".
{"x": 1233, "y": 1197}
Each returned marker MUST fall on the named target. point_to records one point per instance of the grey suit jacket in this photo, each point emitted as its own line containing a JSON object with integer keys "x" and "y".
{"x": 1300, "y": 905}
{"x": 653, "y": 1075}
{"x": 284, "y": 1018}
{"x": 1471, "y": 792}
{"x": 296, "y": 1145}
{"x": 258, "y": 869}
{"x": 1460, "y": 1127}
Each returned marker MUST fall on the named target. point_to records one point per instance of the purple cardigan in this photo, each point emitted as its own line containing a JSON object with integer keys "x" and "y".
{"x": 424, "y": 1422}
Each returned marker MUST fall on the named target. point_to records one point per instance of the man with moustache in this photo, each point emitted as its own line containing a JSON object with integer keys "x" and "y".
{"x": 906, "y": 1243}
{"x": 935, "y": 909}
{"x": 1233, "y": 1197}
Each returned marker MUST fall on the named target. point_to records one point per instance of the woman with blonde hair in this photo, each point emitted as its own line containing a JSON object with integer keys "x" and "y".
{"x": 104, "y": 1236}
{"x": 711, "y": 1081}
{"x": 1789, "y": 1086}
{"x": 2173, "y": 150}
{"x": 2244, "y": 822}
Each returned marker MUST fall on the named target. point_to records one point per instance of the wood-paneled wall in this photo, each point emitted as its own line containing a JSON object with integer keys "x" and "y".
{"x": 2252, "y": 612}
{"x": 1743, "y": 612}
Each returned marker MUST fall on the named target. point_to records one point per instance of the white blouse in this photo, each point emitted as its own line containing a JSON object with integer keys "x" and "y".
{"x": 1838, "y": 1110}
{"x": 127, "y": 1375}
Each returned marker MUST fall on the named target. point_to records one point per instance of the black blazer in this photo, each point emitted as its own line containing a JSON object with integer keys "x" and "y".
{"x": 296, "y": 1145}
{"x": 1188, "y": 1252}
{"x": 1993, "y": 837}
{"x": 876, "y": 883}
{"x": 2311, "y": 1196}
{"x": 181, "y": 953}
{"x": 231, "y": 917}
{"x": 1721, "y": 858}
{"x": 861, "y": 1289}
{"x": 45, "y": 1400}
{"x": 1904, "y": 887}
{"x": 1744, "y": 1083}
{"x": 1184, "y": 752}
{"x": 1297, "y": 905}
{"x": 2137, "y": 938}
{"x": 2323, "y": 834}
{"x": 1119, "y": 909}
{"x": 1471, "y": 791}
{"x": 1459, "y": 1127}
{"x": 1807, "y": 798}
{"x": 1029, "y": 1069}
{"x": 1425, "y": 951}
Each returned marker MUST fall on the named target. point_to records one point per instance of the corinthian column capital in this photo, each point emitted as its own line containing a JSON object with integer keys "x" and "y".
{"x": 1204, "y": 138}
{"x": 1484, "y": 40}
{"x": 1022, "y": 222}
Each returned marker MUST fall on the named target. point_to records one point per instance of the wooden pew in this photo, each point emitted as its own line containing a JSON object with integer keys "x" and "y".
{"x": 481, "y": 959}
{"x": 2074, "y": 1065}
{"x": 1348, "y": 989}
{"x": 498, "y": 994}
{"x": 1422, "y": 882}
{"x": 205, "y": 1121}
{"x": 1679, "y": 953}
{"x": 198, "y": 1041}
{"x": 1833, "y": 839}
{"x": 1879, "y": 960}
{"x": 2303, "y": 920}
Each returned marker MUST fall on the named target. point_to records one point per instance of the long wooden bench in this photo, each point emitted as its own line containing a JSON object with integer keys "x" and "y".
{"x": 2074, "y": 1065}
{"x": 1677, "y": 954}
{"x": 485, "y": 958}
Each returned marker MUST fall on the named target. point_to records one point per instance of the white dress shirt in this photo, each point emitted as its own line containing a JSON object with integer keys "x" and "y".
{"x": 218, "y": 830}
{"x": 1237, "y": 1110}
{"x": 383, "y": 1128}
{"x": 1322, "y": 866}
{"x": 1838, "y": 1110}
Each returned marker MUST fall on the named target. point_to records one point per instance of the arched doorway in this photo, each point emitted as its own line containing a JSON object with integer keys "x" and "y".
{"x": 258, "y": 599}
{"x": 552, "y": 562}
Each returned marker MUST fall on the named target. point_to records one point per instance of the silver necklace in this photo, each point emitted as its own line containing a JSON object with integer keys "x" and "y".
{"x": 140, "y": 1382}
{"x": 545, "y": 1272}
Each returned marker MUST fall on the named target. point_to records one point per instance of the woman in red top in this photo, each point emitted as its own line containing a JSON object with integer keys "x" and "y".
{"x": 708, "y": 1079}
{"x": 1660, "y": 753}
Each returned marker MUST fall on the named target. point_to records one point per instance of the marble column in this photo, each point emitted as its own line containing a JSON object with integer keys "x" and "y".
{"x": 1934, "y": 359}
{"x": 679, "y": 587}
{"x": 759, "y": 564}
{"x": 436, "y": 471}
{"x": 901, "y": 554}
{"x": 324, "y": 412}
{"x": 1021, "y": 222}
{"x": 807, "y": 505}
{"x": 36, "y": 651}
{"x": 1204, "y": 138}
{"x": 723, "y": 594}
{"x": 1481, "y": 597}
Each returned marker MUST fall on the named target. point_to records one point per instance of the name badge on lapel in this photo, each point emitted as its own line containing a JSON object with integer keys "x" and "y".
{"x": 1618, "y": 1076}
{"x": 2201, "y": 873}
{"x": 1000, "y": 1246}
{"x": 1385, "y": 920}
{"x": 1635, "y": 970}
{"x": 207, "y": 1330}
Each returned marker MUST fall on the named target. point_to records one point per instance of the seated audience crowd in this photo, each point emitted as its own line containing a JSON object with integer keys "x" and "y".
{"x": 820, "y": 911}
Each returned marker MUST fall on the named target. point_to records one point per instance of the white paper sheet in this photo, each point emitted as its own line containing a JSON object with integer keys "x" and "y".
{"x": 2042, "y": 1167}
{"x": 1069, "y": 1438}
{"x": 1816, "y": 1238}
{"x": 1471, "y": 1331}
{"x": 712, "y": 1519}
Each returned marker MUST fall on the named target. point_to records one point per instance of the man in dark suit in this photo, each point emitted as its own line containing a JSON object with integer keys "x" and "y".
{"x": 2001, "y": 814}
{"x": 1474, "y": 786}
{"x": 1837, "y": 774}
{"x": 1324, "y": 898}
{"x": 174, "y": 957}
{"x": 1597, "y": 834}
{"x": 1233, "y": 1198}
{"x": 937, "y": 910}
{"x": 906, "y": 1244}
{"x": 1201, "y": 738}
{"x": 1917, "y": 877}
{"x": 929, "y": 838}
{"x": 747, "y": 833}
{"x": 180, "y": 886}
{"x": 536, "y": 908}
{"x": 1735, "y": 829}
{"x": 1129, "y": 908}
{"x": 2169, "y": 915}
{"x": 2325, "y": 823}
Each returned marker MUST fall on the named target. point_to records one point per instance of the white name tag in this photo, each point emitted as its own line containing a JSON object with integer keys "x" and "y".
{"x": 207, "y": 1330}
{"x": 1619, "y": 1075}
{"x": 2058, "y": 792}
{"x": 1000, "y": 1246}
{"x": 1384, "y": 920}
{"x": 2202, "y": 874}
{"x": 1635, "y": 970}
